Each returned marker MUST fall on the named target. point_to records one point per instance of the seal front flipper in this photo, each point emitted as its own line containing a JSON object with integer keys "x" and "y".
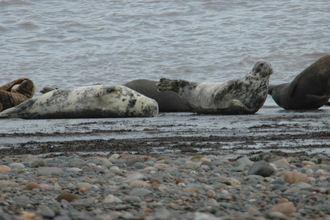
{"x": 226, "y": 88}
{"x": 105, "y": 90}
{"x": 293, "y": 86}
{"x": 316, "y": 100}
{"x": 240, "y": 108}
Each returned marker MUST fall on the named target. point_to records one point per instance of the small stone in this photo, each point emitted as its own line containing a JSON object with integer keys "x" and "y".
{"x": 307, "y": 163}
{"x": 140, "y": 192}
{"x": 66, "y": 196}
{"x": 211, "y": 194}
{"x": 276, "y": 215}
{"x": 6, "y": 184}
{"x": 261, "y": 168}
{"x": 32, "y": 185}
{"x": 83, "y": 190}
{"x": 17, "y": 166}
{"x": 48, "y": 171}
{"x": 112, "y": 199}
{"x": 283, "y": 160}
{"x": 233, "y": 181}
{"x": 132, "y": 199}
{"x": 284, "y": 207}
{"x": 135, "y": 175}
{"x": 46, "y": 212}
{"x": 293, "y": 177}
{"x": 4, "y": 168}
{"x": 38, "y": 163}
{"x": 139, "y": 184}
{"x": 244, "y": 160}
{"x": 191, "y": 165}
{"x": 139, "y": 165}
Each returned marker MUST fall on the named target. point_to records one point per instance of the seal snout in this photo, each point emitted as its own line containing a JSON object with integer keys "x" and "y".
{"x": 263, "y": 67}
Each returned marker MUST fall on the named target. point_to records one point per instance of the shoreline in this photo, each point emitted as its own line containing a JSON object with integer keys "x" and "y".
{"x": 271, "y": 128}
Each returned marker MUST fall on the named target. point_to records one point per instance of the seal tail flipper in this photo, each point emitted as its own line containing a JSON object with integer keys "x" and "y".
{"x": 6, "y": 113}
{"x": 17, "y": 111}
{"x": 316, "y": 100}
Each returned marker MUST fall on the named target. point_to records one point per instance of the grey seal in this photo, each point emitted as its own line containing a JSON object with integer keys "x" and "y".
{"x": 168, "y": 101}
{"x": 10, "y": 97}
{"x": 99, "y": 101}
{"x": 238, "y": 96}
{"x": 309, "y": 90}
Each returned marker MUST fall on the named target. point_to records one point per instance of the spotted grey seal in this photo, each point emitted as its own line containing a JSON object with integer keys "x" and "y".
{"x": 238, "y": 96}
{"x": 309, "y": 90}
{"x": 98, "y": 101}
{"x": 10, "y": 97}
{"x": 168, "y": 101}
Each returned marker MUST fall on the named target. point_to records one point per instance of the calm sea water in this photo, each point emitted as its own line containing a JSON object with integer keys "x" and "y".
{"x": 75, "y": 43}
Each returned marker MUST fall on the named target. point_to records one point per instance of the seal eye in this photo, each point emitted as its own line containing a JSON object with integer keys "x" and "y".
{"x": 261, "y": 64}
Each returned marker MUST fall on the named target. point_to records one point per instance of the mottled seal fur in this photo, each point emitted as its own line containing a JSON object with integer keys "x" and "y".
{"x": 10, "y": 97}
{"x": 238, "y": 96}
{"x": 309, "y": 90}
{"x": 168, "y": 101}
{"x": 99, "y": 101}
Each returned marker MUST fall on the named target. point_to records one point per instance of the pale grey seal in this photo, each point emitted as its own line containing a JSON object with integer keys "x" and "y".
{"x": 99, "y": 101}
{"x": 309, "y": 90}
{"x": 238, "y": 96}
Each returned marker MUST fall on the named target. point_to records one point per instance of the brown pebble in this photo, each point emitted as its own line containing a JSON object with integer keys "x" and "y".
{"x": 284, "y": 207}
{"x": 4, "y": 168}
{"x": 211, "y": 193}
{"x": 66, "y": 196}
{"x": 32, "y": 185}
{"x": 293, "y": 177}
{"x": 15, "y": 159}
{"x": 283, "y": 161}
{"x": 83, "y": 189}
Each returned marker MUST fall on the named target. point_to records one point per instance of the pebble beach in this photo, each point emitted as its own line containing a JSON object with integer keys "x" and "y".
{"x": 126, "y": 186}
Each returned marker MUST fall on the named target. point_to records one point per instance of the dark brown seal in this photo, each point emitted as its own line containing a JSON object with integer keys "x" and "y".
{"x": 168, "y": 101}
{"x": 10, "y": 97}
{"x": 309, "y": 90}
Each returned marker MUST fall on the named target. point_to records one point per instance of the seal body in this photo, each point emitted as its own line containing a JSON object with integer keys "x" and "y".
{"x": 10, "y": 97}
{"x": 238, "y": 96}
{"x": 309, "y": 90}
{"x": 99, "y": 101}
{"x": 168, "y": 101}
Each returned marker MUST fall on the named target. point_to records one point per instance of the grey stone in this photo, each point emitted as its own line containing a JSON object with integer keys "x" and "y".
{"x": 278, "y": 187}
{"x": 46, "y": 212}
{"x": 48, "y": 171}
{"x": 246, "y": 161}
{"x": 140, "y": 192}
{"x": 17, "y": 166}
{"x": 261, "y": 168}
{"x": 132, "y": 161}
{"x": 139, "y": 165}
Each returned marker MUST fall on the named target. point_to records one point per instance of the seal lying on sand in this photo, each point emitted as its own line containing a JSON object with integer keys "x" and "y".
{"x": 238, "y": 96}
{"x": 168, "y": 101}
{"x": 98, "y": 101}
{"x": 309, "y": 90}
{"x": 10, "y": 97}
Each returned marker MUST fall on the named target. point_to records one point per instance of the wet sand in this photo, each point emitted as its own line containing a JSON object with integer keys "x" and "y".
{"x": 270, "y": 129}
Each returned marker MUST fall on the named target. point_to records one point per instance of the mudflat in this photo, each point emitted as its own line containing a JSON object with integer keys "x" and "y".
{"x": 270, "y": 129}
